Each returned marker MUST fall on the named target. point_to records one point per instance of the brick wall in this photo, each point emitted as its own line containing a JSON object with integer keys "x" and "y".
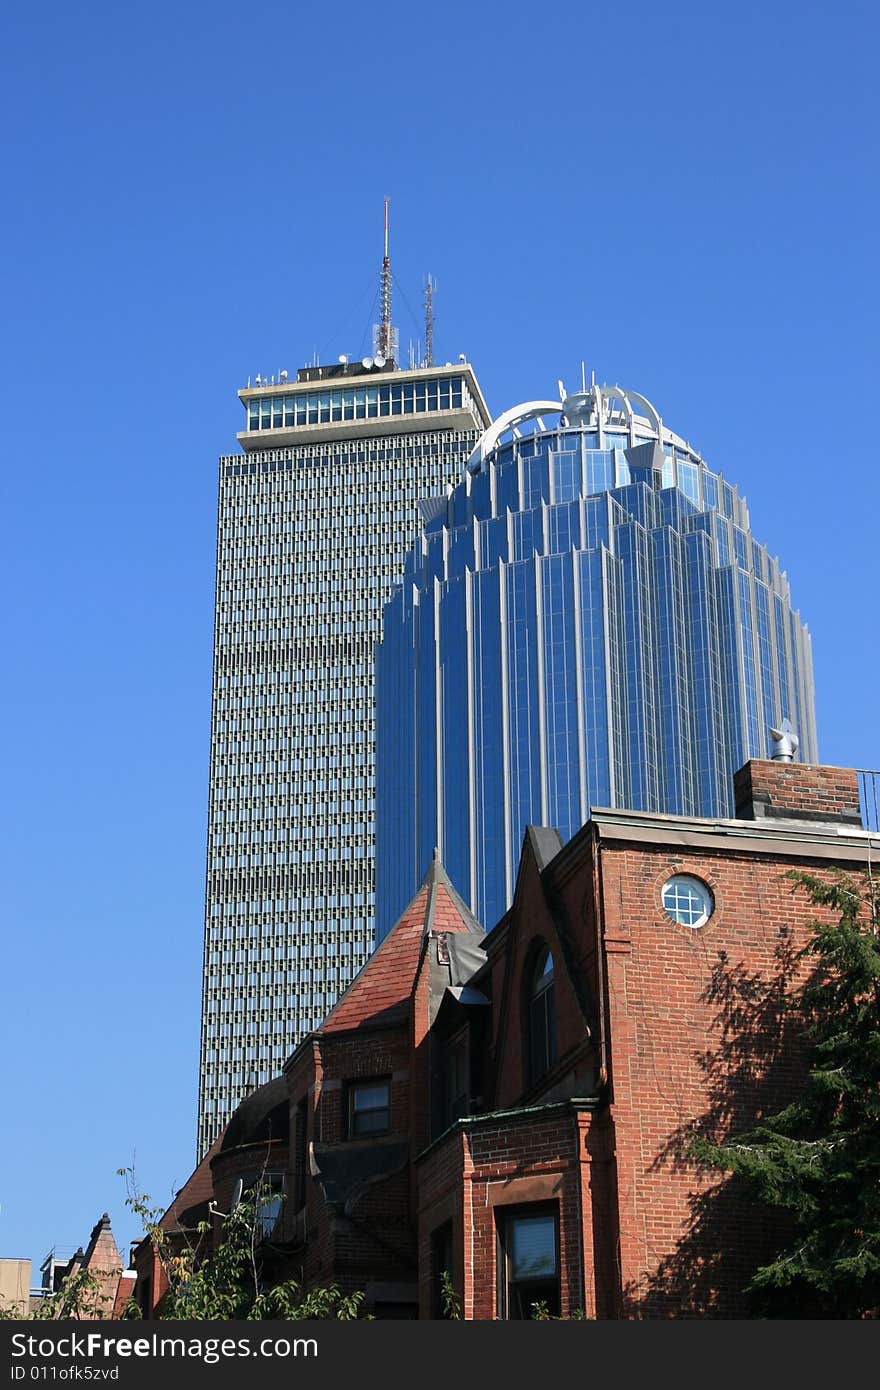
{"x": 440, "y": 1185}
{"x": 375, "y": 1239}
{"x": 797, "y": 790}
{"x": 660, "y": 1028}
{"x": 512, "y": 952}
{"x": 482, "y": 1169}
{"x": 696, "y": 1035}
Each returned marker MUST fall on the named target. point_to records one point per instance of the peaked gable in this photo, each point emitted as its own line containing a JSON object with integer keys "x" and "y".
{"x": 538, "y": 919}
{"x": 102, "y": 1253}
{"x": 379, "y": 994}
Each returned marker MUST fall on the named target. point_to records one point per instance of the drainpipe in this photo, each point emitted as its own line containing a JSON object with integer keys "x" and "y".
{"x": 599, "y": 908}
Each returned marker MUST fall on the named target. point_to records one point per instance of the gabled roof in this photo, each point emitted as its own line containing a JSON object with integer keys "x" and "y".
{"x": 102, "y": 1253}
{"x": 541, "y": 844}
{"x": 379, "y": 994}
{"x": 546, "y": 844}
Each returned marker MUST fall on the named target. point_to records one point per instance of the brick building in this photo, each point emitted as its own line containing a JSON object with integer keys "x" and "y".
{"x": 510, "y": 1106}
{"x": 109, "y": 1287}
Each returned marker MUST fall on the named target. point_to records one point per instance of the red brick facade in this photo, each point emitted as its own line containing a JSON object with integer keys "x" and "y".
{"x": 110, "y": 1286}
{"x": 797, "y": 789}
{"x": 509, "y": 1105}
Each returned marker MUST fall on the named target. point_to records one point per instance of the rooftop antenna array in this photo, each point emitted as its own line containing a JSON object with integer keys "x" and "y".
{"x": 430, "y": 287}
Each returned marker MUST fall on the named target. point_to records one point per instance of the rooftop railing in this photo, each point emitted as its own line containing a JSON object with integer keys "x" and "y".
{"x": 869, "y": 797}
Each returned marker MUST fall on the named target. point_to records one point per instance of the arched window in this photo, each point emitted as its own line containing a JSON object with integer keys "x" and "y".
{"x": 541, "y": 1016}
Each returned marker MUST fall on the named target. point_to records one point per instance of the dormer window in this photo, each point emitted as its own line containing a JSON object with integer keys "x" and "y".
{"x": 369, "y": 1108}
{"x": 541, "y": 1016}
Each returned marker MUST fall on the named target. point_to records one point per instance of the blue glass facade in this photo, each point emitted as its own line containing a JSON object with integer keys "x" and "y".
{"x": 586, "y": 620}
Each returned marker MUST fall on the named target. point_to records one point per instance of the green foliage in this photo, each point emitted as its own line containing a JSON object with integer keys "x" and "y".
{"x": 291, "y": 1303}
{"x": 818, "y": 1159}
{"x": 541, "y": 1313}
{"x": 449, "y": 1299}
{"x": 228, "y": 1282}
{"x": 80, "y": 1297}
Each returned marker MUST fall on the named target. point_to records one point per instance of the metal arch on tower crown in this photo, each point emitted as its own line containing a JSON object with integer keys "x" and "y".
{"x": 517, "y": 415}
{"x": 597, "y": 398}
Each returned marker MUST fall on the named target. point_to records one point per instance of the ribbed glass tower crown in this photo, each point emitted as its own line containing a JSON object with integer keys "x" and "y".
{"x": 585, "y": 621}
{"x": 315, "y": 517}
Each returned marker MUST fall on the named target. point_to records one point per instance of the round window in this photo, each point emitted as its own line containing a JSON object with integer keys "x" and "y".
{"x": 687, "y": 900}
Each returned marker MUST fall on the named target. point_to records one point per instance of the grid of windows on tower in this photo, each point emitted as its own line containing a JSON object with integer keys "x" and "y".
{"x": 310, "y": 541}
{"x": 357, "y": 403}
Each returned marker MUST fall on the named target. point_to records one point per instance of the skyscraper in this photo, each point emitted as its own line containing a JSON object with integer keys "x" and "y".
{"x": 585, "y": 621}
{"x": 315, "y": 516}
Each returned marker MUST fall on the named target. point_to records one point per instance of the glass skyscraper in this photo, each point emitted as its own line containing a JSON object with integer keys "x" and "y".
{"x": 315, "y": 517}
{"x": 586, "y": 620}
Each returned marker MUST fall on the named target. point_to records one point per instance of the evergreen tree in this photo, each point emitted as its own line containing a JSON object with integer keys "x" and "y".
{"x": 818, "y": 1159}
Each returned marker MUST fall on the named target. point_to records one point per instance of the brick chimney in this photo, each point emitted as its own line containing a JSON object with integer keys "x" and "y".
{"x": 774, "y": 790}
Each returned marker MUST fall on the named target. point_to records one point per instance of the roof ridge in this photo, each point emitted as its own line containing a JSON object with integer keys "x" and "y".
{"x": 436, "y": 876}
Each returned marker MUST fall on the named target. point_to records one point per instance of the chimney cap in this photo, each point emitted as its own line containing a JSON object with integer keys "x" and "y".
{"x": 785, "y": 742}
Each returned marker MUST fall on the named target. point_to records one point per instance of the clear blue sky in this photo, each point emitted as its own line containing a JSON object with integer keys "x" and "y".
{"x": 685, "y": 195}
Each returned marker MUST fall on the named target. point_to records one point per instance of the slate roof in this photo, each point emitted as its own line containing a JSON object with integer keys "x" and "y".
{"x": 379, "y": 994}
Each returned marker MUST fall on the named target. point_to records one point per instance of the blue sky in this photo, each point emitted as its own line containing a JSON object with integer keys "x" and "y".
{"x": 683, "y": 195}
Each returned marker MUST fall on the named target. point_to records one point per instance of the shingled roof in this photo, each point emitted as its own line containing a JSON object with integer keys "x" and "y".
{"x": 378, "y": 995}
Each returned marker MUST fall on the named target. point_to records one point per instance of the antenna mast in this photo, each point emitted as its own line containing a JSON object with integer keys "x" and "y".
{"x": 430, "y": 287}
{"x": 386, "y": 340}
{"x": 385, "y": 326}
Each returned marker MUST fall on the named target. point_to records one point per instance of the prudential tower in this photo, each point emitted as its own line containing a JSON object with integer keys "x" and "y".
{"x": 316, "y": 513}
{"x": 585, "y": 621}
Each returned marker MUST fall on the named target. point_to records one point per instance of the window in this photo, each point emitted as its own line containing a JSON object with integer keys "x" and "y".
{"x": 369, "y": 1108}
{"x": 541, "y": 1016}
{"x": 270, "y": 1200}
{"x": 266, "y": 1191}
{"x": 687, "y": 901}
{"x": 528, "y": 1261}
{"x": 455, "y": 1079}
